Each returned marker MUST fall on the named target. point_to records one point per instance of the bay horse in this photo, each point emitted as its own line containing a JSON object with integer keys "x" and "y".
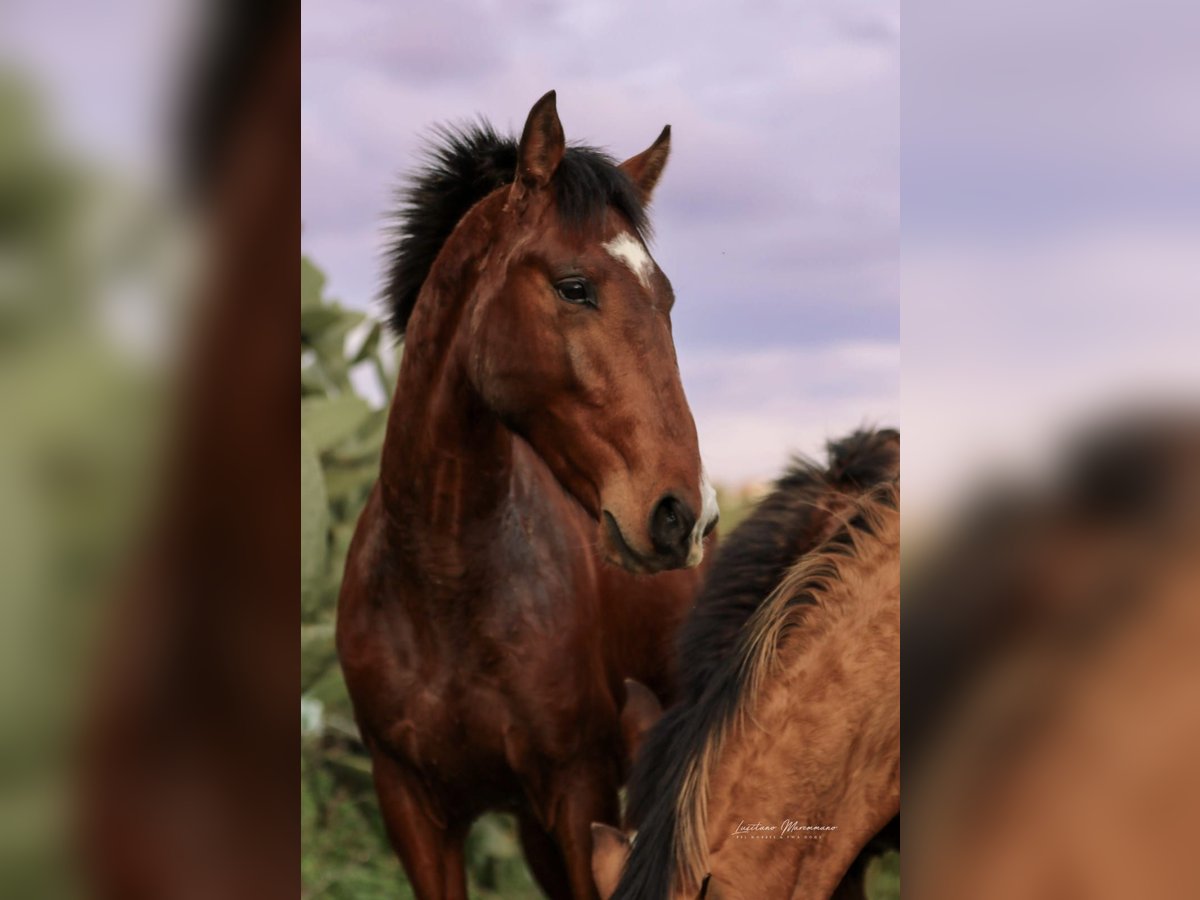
{"x": 541, "y": 508}
{"x": 781, "y": 761}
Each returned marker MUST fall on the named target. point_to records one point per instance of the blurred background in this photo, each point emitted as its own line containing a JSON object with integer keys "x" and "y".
{"x": 94, "y": 259}
{"x": 1051, "y": 220}
{"x": 1051, "y": 394}
{"x": 141, "y": 647}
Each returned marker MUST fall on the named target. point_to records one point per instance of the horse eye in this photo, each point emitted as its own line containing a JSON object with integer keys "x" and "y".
{"x": 575, "y": 290}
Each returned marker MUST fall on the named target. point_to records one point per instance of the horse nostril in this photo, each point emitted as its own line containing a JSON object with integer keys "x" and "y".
{"x": 671, "y": 525}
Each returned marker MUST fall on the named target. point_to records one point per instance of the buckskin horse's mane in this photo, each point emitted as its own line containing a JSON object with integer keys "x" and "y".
{"x": 753, "y": 559}
{"x": 755, "y": 593}
{"x": 465, "y": 163}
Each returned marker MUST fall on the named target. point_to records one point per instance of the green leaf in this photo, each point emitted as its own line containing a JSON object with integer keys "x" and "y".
{"x": 325, "y": 331}
{"x": 367, "y": 442}
{"x": 330, "y": 689}
{"x": 317, "y": 652}
{"x": 331, "y": 420}
{"x": 312, "y": 284}
{"x": 494, "y": 836}
{"x": 317, "y": 320}
{"x": 882, "y": 881}
{"x": 351, "y": 483}
{"x": 314, "y": 515}
{"x": 370, "y": 344}
{"x": 313, "y": 381}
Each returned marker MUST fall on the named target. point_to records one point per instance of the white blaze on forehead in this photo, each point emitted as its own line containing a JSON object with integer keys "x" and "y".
{"x": 630, "y": 251}
{"x": 708, "y": 514}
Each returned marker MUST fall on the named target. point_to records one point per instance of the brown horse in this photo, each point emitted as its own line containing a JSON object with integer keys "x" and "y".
{"x": 540, "y": 468}
{"x": 782, "y": 760}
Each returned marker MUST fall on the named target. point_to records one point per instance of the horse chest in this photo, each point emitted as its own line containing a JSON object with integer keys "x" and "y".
{"x": 484, "y": 657}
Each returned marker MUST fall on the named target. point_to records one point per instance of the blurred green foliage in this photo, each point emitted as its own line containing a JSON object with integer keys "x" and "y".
{"x": 344, "y": 359}
{"x": 82, "y": 417}
{"x": 883, "y": 877}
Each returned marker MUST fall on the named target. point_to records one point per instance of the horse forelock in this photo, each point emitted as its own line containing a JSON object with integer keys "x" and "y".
{"x": 463, "y": 164}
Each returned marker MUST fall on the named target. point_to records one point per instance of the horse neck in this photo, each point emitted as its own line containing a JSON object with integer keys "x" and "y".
{"x": 447, "y": 459}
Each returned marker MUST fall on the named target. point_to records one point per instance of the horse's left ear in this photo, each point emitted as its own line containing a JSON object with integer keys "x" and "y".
{"x": 542, "y": 145}
{"x": 646, "y": 168}
{"x": 639, "y": 714}
{"x": 610, "y": 851}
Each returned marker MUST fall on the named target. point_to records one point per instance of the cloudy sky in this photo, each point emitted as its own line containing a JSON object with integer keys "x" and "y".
{"x": 1051, "y": 193}
{"x": 1051, "y": 225}
{"x": 778, "y": 217}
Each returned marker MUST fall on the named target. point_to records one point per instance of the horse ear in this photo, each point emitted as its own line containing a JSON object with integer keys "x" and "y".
{"x": 610, "y": 850}
{"x": 639, "y": 714}
{"x": 542, "y": 144}
{"x": 646, "y": 168}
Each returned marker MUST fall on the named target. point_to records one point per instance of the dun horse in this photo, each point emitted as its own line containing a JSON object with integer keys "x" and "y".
{"x": 540, "y": 467}
{"x": 782, "y": 759}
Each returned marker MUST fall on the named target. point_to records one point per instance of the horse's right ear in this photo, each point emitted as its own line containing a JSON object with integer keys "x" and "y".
{"x": 542, "y": 146}
{"x": 610, "y": 850}
{"x": 646, "y": 168}
{"x": 639, "y": 714}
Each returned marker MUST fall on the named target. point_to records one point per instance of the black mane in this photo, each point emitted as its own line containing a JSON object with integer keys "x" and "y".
{"x": 462, "y": 166}
{"x": 749, "y": 564}
{"x": 753, "y": 559}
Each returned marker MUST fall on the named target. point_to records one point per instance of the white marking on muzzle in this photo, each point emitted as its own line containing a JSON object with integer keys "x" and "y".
{"x": 708, "y": 514}
{"x": 630, "y": 251}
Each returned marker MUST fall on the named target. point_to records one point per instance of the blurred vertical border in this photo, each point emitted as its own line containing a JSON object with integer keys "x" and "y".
{"x": 148, "y": 499}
